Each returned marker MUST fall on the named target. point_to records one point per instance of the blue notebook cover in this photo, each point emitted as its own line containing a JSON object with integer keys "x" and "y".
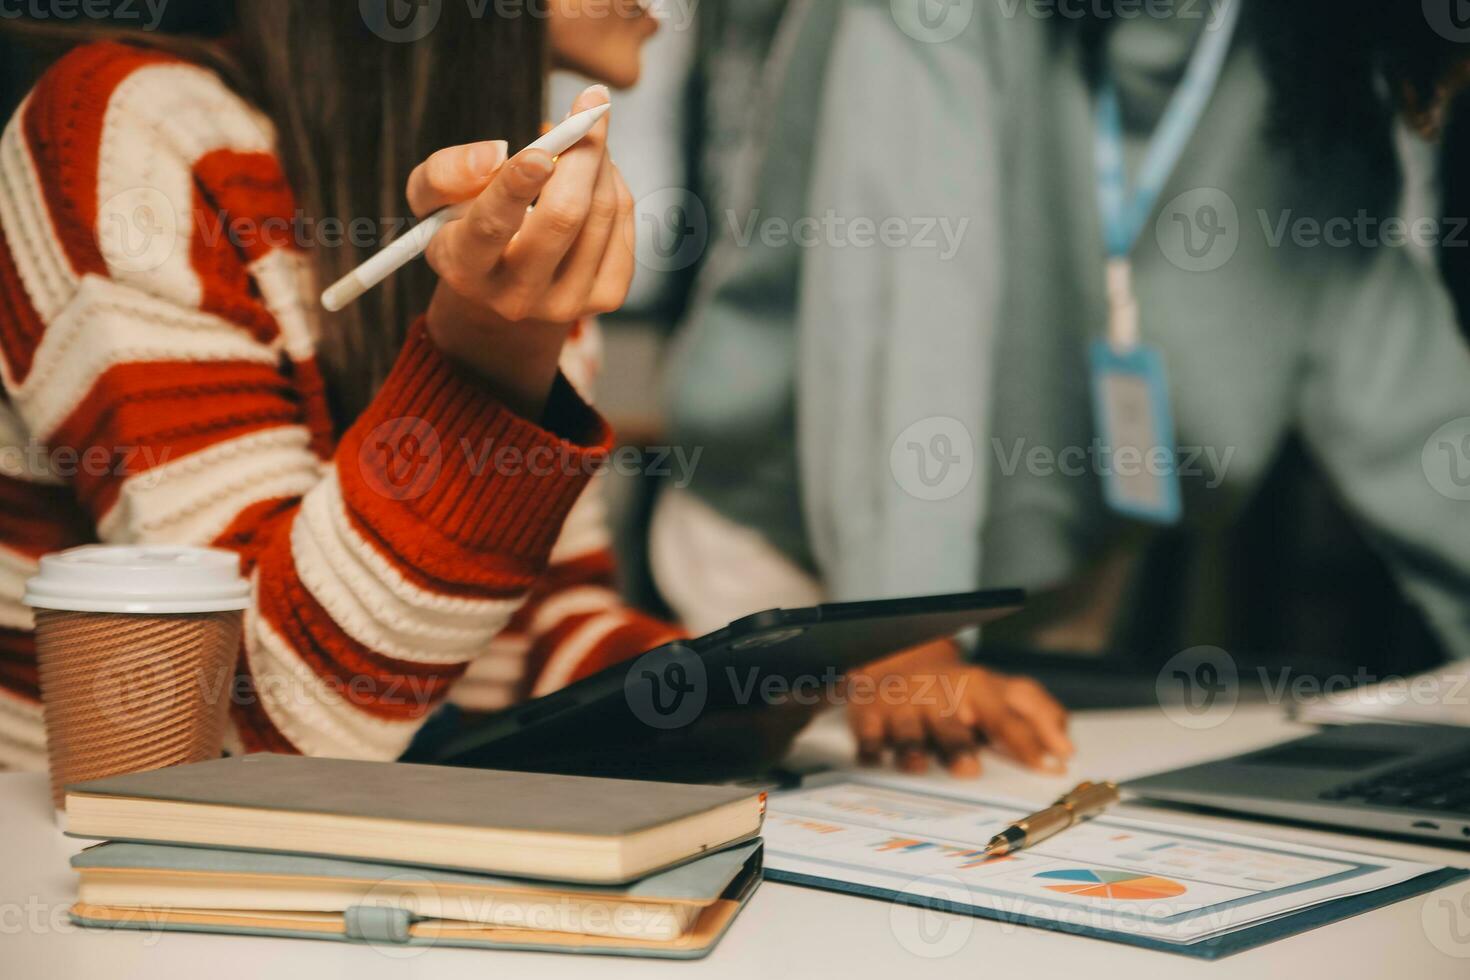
{"x": 703, "y": 880}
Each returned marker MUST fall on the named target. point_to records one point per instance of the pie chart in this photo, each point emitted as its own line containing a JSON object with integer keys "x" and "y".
{"x": 1124, "y": 885}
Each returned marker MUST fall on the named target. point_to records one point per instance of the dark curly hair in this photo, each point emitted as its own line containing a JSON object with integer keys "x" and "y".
{"x": 1341, "y": 73}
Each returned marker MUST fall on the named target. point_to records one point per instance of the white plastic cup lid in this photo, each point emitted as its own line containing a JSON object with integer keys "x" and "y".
{"x": 152, "y": 580}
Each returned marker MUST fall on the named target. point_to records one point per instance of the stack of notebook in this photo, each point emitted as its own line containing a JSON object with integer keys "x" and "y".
{"x": 417, "y": 855}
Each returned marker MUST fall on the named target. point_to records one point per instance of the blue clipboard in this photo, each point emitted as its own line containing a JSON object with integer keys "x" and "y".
{"x": 1214, "y": 948}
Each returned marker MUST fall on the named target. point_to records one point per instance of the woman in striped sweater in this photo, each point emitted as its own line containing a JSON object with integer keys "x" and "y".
{"x": 404, "y": 487}
{"x": 406, "y": 491}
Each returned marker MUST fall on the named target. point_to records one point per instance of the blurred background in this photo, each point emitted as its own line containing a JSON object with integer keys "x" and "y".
{"x": 1293, "y": 582}
{"x": 1290, "y": 582}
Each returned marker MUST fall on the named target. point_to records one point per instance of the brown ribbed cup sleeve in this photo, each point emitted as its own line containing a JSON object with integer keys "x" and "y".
{"x": 125, "y": 693}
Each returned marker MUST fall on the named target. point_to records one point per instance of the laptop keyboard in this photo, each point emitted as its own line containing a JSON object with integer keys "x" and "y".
{"x": 1442, "y": 785}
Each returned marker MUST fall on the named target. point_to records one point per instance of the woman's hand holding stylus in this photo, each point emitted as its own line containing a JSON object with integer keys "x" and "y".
{"x": 513, "y": 281}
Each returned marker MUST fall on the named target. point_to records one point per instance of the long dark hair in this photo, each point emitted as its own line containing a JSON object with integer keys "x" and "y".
{"x": 357, "y": 104}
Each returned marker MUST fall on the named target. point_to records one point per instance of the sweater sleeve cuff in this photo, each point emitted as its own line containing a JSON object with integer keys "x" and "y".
{"x": 437, "y": 447}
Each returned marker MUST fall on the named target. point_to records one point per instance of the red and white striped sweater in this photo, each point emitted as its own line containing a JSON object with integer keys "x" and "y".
{"x": 160, "y": 386}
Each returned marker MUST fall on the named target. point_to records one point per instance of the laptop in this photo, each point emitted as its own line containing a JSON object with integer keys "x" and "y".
{"x": 1411, "y": 780}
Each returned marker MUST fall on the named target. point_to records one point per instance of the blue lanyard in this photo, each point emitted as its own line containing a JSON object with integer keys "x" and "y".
{"x": 1123, "y": 218}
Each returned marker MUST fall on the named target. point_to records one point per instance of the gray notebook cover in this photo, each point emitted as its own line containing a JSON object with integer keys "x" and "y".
{"x": 703, "y": 880}
{"x": 478, "y": 798}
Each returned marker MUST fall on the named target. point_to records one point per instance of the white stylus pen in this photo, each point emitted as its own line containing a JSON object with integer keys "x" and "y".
{"x": 414, "y": 242}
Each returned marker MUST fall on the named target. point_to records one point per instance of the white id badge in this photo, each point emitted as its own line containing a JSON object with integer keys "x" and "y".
{"x": 1138, "y": 459}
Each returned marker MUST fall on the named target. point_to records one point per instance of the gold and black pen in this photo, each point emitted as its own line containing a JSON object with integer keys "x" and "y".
{"x": 1083, "y": 803}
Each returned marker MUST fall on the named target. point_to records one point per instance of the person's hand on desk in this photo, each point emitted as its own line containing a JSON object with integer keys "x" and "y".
{"x": 929, "y": 701}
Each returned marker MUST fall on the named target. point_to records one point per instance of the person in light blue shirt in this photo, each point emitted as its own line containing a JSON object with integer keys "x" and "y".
{"x": 915, "y": 413}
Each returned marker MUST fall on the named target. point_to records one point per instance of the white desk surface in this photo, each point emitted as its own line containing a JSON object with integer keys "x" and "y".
{"x": 785, "y": 931}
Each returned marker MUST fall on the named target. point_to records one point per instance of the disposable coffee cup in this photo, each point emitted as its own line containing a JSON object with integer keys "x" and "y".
{"x": 137, "y": 649}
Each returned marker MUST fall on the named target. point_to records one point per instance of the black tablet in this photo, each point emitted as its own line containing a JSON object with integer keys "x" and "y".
{"x": 767, "y": 658}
